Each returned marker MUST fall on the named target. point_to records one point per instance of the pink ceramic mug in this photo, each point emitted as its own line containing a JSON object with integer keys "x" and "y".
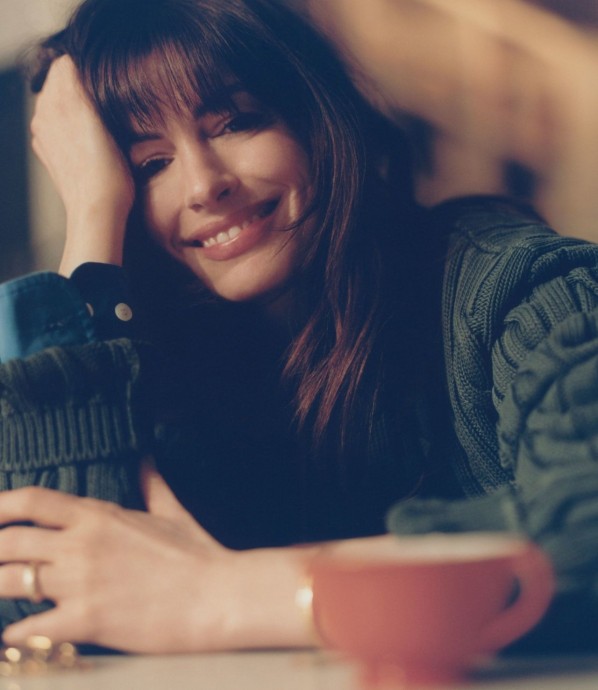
{"x": 421, "y": 609}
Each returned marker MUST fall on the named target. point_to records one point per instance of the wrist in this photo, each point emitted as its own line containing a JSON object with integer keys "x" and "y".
{"x": 73, "y": 257}
{"x": 268, "y": 611}
{"x": 93, "y": 237}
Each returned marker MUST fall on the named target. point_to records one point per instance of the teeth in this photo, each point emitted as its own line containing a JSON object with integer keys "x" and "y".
{"x": 235, "y": 231}
{"x": 229, "y": 234}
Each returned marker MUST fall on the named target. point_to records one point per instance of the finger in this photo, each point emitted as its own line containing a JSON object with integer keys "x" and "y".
{"x": 55, "y": 624}
{"x": 45, "y": 507}
{"x": 28, "y": 544}
{"x": 62, "y": 67}
{"x": 13, "y": 585}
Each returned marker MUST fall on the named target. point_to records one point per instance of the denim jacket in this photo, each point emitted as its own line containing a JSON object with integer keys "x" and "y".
{"x": 40, "y": 314}
{"x": 45, "y": 309}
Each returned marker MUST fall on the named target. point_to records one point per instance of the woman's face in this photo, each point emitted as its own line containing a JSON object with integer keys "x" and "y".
{"x": 220, "y": 190}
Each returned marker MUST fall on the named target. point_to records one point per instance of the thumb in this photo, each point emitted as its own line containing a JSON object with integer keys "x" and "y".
{"x": 159, "y": 497}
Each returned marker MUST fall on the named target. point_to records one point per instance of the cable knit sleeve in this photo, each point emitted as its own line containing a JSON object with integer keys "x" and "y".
{"x": 75, "y": 419}
{"x": 521, "y": 347}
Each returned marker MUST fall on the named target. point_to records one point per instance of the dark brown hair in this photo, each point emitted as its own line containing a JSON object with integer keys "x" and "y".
{"x": 362, "y": 199}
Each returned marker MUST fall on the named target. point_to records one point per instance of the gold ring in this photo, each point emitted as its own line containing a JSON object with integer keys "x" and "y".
{"x": 31, "y": 585}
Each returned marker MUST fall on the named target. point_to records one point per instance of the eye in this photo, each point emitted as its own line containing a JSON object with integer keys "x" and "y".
{"x": 149, "y": 168}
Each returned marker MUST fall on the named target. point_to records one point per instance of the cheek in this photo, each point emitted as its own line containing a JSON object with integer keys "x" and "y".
{"x": 277, "y": 156}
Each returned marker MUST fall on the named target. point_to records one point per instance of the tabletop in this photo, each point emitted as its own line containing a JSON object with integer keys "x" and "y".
{"x": 289, "y": 670}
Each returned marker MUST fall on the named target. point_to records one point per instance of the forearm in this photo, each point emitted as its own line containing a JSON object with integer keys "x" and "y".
{"x": 90, "y": 173}
{"x": 549, "y": 433}
{"x": 265, "y": 611}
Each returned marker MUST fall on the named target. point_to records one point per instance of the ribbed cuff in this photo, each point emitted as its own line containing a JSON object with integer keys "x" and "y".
{"x": 73, "y": 433}
{"x": 68, "y": 405}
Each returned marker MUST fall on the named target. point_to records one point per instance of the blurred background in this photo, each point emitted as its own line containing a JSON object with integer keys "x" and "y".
{"x": 498, "y": 96}
{"x": 31, "y": 218}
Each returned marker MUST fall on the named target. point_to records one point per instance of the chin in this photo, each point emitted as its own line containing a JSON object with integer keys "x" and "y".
{"x": 253, "y": 285}
{"x": 248, "y": 294}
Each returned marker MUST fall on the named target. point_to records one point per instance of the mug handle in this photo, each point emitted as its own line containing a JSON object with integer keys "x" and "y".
{"x": 535, "y": 576}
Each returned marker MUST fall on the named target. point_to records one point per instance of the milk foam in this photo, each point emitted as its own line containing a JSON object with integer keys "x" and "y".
{"x": 430, "y": 548}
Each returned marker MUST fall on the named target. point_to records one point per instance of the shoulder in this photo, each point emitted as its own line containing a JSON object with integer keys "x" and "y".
{"x": 510, "y": 285}
{"x": 487, "y": 227}
{"x": 500, "y": 251}
{"x": 509, "y": 281}
{"x": 471, "y": 213}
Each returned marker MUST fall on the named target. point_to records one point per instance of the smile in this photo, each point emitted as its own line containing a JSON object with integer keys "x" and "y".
{"x": 225, "y": 235}
{"x": 228, "y": 235}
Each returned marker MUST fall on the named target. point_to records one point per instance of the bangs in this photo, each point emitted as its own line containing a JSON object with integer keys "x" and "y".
{"x": 161, "y": 68}
{"x": 140, "y": 60}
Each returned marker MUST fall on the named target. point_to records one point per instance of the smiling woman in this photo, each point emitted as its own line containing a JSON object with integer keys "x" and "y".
{"x": 255, "y": 318}
{"x": 221, "y": 191}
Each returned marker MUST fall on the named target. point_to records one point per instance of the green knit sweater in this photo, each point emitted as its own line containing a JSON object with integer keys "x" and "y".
{"x": 519, "y": 327}
{"x": 520, "y": 334}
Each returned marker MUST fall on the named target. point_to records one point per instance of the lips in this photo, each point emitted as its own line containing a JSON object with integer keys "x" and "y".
{"x": 235, "y": 234}
{"x": 230, "y": 228}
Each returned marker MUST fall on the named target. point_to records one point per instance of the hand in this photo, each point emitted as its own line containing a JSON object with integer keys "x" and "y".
{"x": 151, "y": 582}
{"x": 140, "y": 582}
{"x": 89, "y": 172}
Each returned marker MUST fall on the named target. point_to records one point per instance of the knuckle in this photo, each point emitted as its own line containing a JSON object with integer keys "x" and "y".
{"x": 98, "y": 513}
{"x": 95, "y": 505}
{"x": 28, "y": 498}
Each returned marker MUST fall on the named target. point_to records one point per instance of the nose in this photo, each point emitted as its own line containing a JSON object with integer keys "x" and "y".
{"x": 207, "y": 178}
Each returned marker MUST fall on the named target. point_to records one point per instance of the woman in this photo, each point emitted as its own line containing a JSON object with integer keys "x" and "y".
{"x": 305, "y": 348}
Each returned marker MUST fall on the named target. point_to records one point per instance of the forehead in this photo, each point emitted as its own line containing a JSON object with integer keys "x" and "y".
{"x": 233, "y": 98}
{"x": 147, "y": 89}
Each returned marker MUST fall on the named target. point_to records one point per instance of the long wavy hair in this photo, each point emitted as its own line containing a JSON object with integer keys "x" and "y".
{"x": 349, "y": 284}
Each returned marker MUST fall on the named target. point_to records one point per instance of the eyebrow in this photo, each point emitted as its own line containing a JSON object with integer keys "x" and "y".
{"x": 214, "y": 104}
